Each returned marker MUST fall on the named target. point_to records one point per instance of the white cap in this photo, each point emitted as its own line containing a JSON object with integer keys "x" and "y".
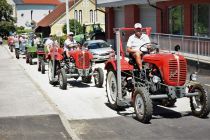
{"x": 137, "y": 25}
{"x": 70, "y": 33}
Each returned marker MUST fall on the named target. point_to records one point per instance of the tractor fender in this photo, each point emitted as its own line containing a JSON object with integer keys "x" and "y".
{"x": 112, "y": 64}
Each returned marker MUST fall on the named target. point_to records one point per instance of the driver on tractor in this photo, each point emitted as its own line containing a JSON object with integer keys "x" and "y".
{"x": 137, "y": 40}
{"x": 70, "y": 44}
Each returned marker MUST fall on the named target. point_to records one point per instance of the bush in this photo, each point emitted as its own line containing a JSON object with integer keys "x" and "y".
{"x": 79, "y": 28}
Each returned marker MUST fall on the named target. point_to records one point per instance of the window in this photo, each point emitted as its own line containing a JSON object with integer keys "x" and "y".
{"x": 95, "y": 16}
{"x": 176, "y": 20}
{"x": 80, "y": 16}
{"x": 201, "y": 20}
{"x": 91, "y": 16}
{"x": 75, "y": 15}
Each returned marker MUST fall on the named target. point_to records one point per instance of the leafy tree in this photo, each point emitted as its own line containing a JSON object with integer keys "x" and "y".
{"x": 79, "y": 28}
{"x": 6, "y": 20}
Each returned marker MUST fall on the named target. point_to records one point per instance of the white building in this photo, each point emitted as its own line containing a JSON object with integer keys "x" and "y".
{"x": 32, "y": 10}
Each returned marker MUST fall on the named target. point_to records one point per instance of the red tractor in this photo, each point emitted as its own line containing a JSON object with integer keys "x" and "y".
{"x": 80, "y": 64}
{"x": 162, "y": 80}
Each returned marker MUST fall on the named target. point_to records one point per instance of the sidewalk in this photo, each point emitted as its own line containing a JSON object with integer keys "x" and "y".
{"x": 24, "y": 112}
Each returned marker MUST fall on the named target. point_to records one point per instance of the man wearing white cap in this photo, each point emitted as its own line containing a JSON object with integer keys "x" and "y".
{"x": 134, "y": 43}
{"x": 70, "y": 43}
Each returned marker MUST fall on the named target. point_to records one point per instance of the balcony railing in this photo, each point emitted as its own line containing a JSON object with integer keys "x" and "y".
{"x": 194, "y": 48}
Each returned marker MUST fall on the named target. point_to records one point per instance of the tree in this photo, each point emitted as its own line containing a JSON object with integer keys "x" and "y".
{"x": 79, "y": 28}
{"x": 6, "y": 20}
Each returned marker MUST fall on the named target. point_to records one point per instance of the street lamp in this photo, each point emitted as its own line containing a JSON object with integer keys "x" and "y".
{"x": 67, "y": 17}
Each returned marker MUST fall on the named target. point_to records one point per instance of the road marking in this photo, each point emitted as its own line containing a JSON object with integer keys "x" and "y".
{"x": 207, "y": 85}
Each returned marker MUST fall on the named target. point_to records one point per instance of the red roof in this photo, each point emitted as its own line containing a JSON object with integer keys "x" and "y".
{"x": 55, "y": 14}
{"x": 42, "y": 2}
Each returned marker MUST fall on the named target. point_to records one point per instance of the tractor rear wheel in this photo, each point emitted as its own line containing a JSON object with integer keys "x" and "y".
{"x": 62, "y": 79}
{"x": 111, "y": 89}
{"x": 50, "y": 72}
{"x": 17, "y": 53}
{"x": 11, "y": 48}
{"x": 200, "y": 105}
{"x": 27, "y": 58}
{"x": 143, "y": 105}
{"x": 42, "y": 66}
{"x": 30, "y": 60}
{"x": 99, "y": 77}
{"x": 39, "y": 65}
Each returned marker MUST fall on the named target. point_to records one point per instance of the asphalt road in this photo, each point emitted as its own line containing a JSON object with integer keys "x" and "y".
{"x": 89, "y": 117}
{"x": 24, "y": 113}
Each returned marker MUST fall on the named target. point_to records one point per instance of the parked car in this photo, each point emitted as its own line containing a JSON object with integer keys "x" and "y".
{"x": 1, "y": 41}
{"x": 100, "y": 49}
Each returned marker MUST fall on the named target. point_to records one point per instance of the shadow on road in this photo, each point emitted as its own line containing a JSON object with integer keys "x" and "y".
{"x": 78, "y": 84}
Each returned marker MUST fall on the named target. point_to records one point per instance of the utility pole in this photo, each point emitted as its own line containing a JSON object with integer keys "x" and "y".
{"x": 67, "y": 17}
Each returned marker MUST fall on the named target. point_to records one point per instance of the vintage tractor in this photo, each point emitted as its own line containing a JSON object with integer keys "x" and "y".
{"x": 80, "y": 64}
{"x": 162, "y": 80}
{"x": 31, "y": 53}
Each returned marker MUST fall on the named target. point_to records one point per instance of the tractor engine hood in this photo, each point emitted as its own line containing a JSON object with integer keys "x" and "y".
{"x": 173, "y": 67}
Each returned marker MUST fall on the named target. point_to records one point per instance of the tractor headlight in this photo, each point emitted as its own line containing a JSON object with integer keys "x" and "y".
{"x": 193, "y": 77}
{"x": 156, "y": 79}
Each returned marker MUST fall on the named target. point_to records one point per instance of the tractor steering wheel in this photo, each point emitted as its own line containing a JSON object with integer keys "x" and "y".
{"x": 145, "y": 49}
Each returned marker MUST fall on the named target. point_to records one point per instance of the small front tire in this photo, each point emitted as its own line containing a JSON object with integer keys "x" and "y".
{"x": 200, "y": 105}
{"x": 62, "y": 79}
{"x": 143, "y": 105}
{"x": 99, "y": 77}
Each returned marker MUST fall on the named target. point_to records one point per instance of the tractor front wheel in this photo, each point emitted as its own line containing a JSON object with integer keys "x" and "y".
{"x": 200, "y": 105}
{"x": 42, "y": 66}
{"x": 143, "y": 105}
{"x": 62, "y": 79}
{"x": 99, "y": 77}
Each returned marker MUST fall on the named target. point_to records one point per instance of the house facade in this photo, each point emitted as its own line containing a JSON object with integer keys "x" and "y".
{"x": 84, "y": 11}
{"x": 180, "y": 17}
{"x": 28, "y": 11}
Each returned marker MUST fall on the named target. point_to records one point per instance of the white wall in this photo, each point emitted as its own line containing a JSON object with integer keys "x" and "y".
{"x": 148, "y": 16}
{"x": 119, "y": 17}
{"x": 39, "y": 11}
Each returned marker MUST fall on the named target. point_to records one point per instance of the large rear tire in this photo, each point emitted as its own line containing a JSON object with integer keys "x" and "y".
{"x": 62, "y": 79}
{"x": 27, "y": 57}
{"x": 200, "y": 105}
{"x": 111, "y": 89}
{"x": 17, "y": 53}
{"x": 50, "y": 73}
{"x": 30, "y": 60}
{"x": 99, "y": 77}
{"x": 11, "y": 48}
{"x": 143, "y": 105}
{"x": 39, "y": 65}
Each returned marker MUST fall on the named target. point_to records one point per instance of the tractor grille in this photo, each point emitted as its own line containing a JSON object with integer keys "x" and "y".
{"x": 177, "y": 71}
{"x": 84, "y": 60}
